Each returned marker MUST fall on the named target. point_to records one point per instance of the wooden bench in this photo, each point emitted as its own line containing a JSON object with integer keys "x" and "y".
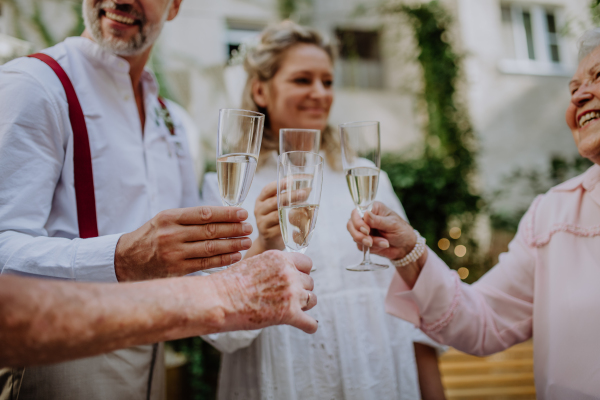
{"x": 505, "y": 375}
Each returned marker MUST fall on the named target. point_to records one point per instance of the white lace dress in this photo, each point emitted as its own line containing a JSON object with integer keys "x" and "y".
{"x": 358, "y": 352}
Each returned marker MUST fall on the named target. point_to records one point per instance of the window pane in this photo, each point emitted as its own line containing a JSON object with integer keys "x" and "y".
{"x": 355, "y": 44}
{"x": 529, "y": 34}
{"x": 360, "y": 59}
{"x": 239, "y": 33}
{"x": 552, "y": 36}
{"x": 551, "y": 22}
{"x": 508, "y": 38}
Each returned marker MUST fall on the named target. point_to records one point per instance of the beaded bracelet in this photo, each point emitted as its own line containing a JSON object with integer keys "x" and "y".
{"x": 415, "y": 254}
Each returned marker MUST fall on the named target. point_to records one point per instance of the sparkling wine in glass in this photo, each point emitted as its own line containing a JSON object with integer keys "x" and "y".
{"x": 299, "y": 140}
{"x": 361, "y": 157}
{"x": 299, "y": 181}
{"x": 238, "y": 145}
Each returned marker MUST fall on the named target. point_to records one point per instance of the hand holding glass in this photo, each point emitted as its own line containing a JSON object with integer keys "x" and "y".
{"x": 361, "y": 160}
{"x": 299, "y": 181}
{"x": 238, "y": 145}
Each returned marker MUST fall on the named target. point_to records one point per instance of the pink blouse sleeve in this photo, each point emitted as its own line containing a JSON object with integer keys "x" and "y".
{"x": 483, "y": 318}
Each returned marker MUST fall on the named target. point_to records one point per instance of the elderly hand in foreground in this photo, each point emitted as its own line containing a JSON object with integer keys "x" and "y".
{"x": 270, "y": 289}
{"x": 180, "y": 241}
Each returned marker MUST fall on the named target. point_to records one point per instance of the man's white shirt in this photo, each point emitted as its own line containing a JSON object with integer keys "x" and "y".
{"x": 136, "y": 175}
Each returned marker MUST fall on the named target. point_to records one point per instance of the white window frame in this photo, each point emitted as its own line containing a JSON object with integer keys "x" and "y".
{"x": 542, "y": 64}
{"x": 246, "y": 34}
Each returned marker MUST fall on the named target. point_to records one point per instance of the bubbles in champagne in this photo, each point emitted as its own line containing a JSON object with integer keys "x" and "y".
{"x": 235, "y": 173}
{"x": 362, "y": 182}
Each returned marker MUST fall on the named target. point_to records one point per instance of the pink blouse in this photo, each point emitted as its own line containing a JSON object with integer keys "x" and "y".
{"x": 548, "y": 283}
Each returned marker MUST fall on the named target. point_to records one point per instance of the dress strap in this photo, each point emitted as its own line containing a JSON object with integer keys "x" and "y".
{"x": 82, "y": 158}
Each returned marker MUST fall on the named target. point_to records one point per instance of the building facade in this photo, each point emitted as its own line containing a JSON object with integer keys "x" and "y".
{"x": 518, "y": 59}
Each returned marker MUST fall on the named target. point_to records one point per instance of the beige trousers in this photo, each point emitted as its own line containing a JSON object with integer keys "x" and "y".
{"x": 120, "y": 375}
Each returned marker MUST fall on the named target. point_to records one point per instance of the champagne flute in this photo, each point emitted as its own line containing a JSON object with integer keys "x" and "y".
{"x": 299, "y": 140}
{"x": 299, "y": 181}
{"x": 238, "y": 145}
{"x": 361, "y": 153}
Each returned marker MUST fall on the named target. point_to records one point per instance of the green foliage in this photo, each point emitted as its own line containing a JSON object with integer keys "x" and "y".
{"x": 17, "y": 13}
{"x": 40, "y": 25}
{"x": 286, "y": 8}
{"x": 526, "y": 184}
{"x": 80, "y": 24}
{"x": 294, "y": 9}
{"x": 436, "y": 188}
{"x": 595, "y": 11}
{"x": 202, "y": 368}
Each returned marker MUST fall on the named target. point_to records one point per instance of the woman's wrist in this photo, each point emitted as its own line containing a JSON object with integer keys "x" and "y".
{"x": 413, "y": 253}
{"x": 410, "y": 273}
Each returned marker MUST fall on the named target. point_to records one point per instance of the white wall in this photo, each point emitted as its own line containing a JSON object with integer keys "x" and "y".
{"x": 519, "y": 118}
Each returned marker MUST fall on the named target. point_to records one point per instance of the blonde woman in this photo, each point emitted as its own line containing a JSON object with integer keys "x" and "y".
{"x": 358, "y": 351}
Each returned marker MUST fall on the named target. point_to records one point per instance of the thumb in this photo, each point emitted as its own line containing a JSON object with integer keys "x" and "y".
{"x": 385, "y": 223}
{"x": 305, "y": 322}
{"x": 378, "y": 208}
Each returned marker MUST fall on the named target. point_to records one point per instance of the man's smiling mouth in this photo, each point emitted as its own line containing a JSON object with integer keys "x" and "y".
{"x": 119, "y": 16}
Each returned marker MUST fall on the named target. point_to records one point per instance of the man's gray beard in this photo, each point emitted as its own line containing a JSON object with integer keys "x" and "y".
{"x": 139, "y": 43}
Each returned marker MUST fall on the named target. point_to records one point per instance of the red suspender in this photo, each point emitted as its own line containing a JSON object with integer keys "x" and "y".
{"x": 82, "y": 158}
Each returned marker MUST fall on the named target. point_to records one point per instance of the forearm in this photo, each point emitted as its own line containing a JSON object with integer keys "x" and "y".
{"x": 430, "y": 380}
{"x": 44, "y": 322}
{"x": 481, "y": 319}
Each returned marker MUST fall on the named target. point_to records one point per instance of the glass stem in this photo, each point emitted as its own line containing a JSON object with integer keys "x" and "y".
{"x": 366, "y": 250}
{"x": 366, "y": 255}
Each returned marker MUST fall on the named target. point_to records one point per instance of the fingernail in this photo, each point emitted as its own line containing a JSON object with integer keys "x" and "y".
{"x": 384, "y": 245}
{"x": 236, "y": 257}
{"x": 242, "y": 214}
{"x": 366, "y": 242}
{"x": 246, "y": 228}
{"x": 246, "y": 243}
{"x": 364, "y": 230}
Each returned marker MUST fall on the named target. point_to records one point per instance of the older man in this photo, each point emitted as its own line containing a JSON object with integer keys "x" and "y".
{"x": 95, "y": 177}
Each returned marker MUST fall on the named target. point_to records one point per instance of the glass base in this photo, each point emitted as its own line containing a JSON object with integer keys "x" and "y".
{"x": 367, "y": 266}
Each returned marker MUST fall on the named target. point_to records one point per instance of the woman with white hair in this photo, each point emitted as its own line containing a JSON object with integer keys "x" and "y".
{"x": 358, "y": 352}
{"x": 546, "y": 284}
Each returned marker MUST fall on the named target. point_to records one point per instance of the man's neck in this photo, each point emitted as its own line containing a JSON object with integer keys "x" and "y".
{"x": 136, "y": 65}
{"x": 136, "y": 69}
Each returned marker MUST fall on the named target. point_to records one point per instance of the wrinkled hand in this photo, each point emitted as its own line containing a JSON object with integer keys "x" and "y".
{"x": 267, "y": 220}
{"x": 269, "y": 289}
{"x": 383, "y": 230}
{"x": 181, "y": 241}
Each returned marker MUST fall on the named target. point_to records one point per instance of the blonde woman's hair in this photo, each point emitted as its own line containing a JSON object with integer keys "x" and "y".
{"x": 262, "y": 63}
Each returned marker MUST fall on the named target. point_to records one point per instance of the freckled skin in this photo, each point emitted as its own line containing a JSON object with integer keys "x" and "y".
{"x": 276, "y": 291}
{"x": 43, "y": 322}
